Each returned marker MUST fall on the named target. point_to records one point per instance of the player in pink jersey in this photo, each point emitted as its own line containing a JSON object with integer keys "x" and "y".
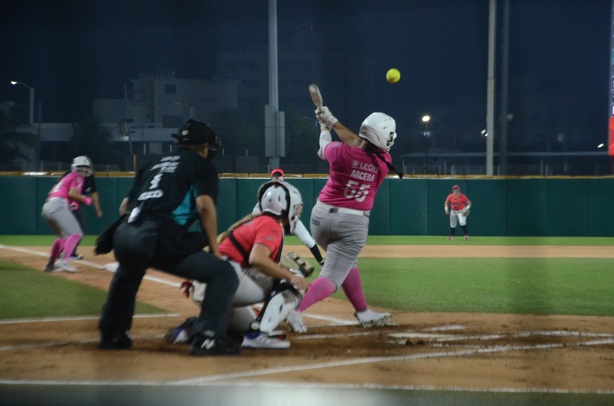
{"x": 57, "y": 212}
{"x": 459, "y": 206}
{"x": 340, "y": 218}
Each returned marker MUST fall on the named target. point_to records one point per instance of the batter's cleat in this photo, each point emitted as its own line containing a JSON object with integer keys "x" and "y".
{"x": 211, "y": 344}
{"x": 295, "y": 322}
{"x": 466, "y": 237}
{"x": 65, "y": 266}
{"x": 450, "y": 237}
{"x": 115, "y": 342}
{"x": 258, "y": 339}
{"x": 370, "y": 318}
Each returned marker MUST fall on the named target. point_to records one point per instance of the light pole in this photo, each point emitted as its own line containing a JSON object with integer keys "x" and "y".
{"x": 191, "y": 108}
{"x": 426, "y": 119}
{"x": 31, "y": 104}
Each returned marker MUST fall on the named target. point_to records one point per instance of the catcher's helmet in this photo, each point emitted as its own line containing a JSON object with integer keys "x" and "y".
{"x": 82, "y": 164}
{"x": 380, "y": 130}
{"x": 283, "y": 200}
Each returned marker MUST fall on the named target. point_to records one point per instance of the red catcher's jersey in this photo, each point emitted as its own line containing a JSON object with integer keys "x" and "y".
{"x": 263, "y": 230}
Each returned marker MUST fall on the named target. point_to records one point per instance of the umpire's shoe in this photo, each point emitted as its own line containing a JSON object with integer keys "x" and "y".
{"x": 209, "y": 343}
{"x": 115, "y": 341}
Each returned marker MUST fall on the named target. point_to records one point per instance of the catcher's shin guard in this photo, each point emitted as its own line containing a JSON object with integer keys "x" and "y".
{"x": 281, "y": 301}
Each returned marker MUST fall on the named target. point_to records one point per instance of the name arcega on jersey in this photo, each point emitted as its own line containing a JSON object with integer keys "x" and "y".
{"x": 359, "y": 174}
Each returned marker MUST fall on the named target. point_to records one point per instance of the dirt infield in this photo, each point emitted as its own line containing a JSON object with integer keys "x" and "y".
{"x": 445, "y": 350}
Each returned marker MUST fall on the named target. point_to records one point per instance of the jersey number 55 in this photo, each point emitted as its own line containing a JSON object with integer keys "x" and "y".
{"x": 354, "y": 190}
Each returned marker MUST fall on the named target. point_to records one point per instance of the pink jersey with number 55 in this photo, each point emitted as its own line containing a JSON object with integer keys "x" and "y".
{"x": 354, "y": 176}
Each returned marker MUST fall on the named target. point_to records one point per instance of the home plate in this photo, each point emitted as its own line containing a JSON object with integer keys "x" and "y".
{"x": 111, "y": 266}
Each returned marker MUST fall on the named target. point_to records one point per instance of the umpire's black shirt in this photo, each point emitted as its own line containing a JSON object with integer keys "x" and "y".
{"x": 170, "y": 184}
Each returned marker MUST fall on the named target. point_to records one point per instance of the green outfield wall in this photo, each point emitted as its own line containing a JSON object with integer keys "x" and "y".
{"x": 414, "y": 206}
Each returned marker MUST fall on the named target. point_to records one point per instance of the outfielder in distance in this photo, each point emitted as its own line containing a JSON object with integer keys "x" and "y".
{"x": 57, "y": 212}
{"x": 340, "y": 218}
{"x": 459, "y": 205}
{"x": 300, "y": 231}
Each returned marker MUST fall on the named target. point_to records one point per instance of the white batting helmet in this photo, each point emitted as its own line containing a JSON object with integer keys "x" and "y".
{"x": 82, "y": 161}
{"x": 283, "y": 200}
{"x": 380, "y": 130}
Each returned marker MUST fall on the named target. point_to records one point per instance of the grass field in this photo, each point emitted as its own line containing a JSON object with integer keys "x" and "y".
{"x": 29, "y": 293}
{"x": 492, "y": 285}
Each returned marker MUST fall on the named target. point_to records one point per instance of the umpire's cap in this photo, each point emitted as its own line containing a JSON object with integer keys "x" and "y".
{"x": 195, "y": 132}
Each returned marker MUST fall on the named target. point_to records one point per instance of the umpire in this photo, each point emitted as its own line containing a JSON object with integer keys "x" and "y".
{"x": 168, "y": 194}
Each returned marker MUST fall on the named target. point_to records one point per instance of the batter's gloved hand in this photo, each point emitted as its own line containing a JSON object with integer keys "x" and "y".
{"x": 324, "y": 116}
{"x": 295, "y": 262}
{"x": 87, "y": 200}
{"x": 74, "y": 206}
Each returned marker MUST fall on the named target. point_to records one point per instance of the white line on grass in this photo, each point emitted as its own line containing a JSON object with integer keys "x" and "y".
{"x": 78, "y": 318}
{"x": 110, "y": 268}
{"x": 91, "y": 264}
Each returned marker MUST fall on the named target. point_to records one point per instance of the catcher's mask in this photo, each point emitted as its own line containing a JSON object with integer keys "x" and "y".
{"x": 282, "y": 200}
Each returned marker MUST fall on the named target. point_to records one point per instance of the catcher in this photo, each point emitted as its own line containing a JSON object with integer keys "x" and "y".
{"x": 253, "y": 247}
{"x": 459, "y": 205}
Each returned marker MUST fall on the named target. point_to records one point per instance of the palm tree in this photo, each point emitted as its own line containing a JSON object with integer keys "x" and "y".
{"x": 13, "y": 142}
{"x": 93, "y": 139}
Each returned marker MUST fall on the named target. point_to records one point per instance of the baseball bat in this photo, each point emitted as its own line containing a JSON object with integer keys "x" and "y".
{"x": 316, "y": 96}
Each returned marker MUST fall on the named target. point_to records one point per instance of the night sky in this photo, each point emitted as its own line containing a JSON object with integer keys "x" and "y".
{"x": 74, "y": 51}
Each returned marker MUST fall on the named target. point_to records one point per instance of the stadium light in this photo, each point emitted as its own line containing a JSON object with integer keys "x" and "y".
{"x": 31, "y": 104}
{"x": 426, "y": 119}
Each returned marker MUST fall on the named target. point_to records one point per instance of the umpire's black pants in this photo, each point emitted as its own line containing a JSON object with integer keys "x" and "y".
{"x": 220, "y": 277}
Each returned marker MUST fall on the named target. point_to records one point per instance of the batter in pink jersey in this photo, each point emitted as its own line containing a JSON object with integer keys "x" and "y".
{"x": 340, "y": 218}
{"x": 57, "y": 213}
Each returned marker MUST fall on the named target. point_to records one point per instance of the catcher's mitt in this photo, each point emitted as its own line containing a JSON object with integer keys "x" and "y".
{"x": 294, "y": 261}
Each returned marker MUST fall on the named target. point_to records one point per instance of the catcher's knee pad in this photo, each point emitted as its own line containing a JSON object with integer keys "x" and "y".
{"x": 281, "y": 301}
{"x": 197, "y": 292}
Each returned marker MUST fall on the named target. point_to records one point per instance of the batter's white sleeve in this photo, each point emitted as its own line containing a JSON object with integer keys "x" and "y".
{"x": 325, "y": 139}
{"x": 302, "y": 234}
